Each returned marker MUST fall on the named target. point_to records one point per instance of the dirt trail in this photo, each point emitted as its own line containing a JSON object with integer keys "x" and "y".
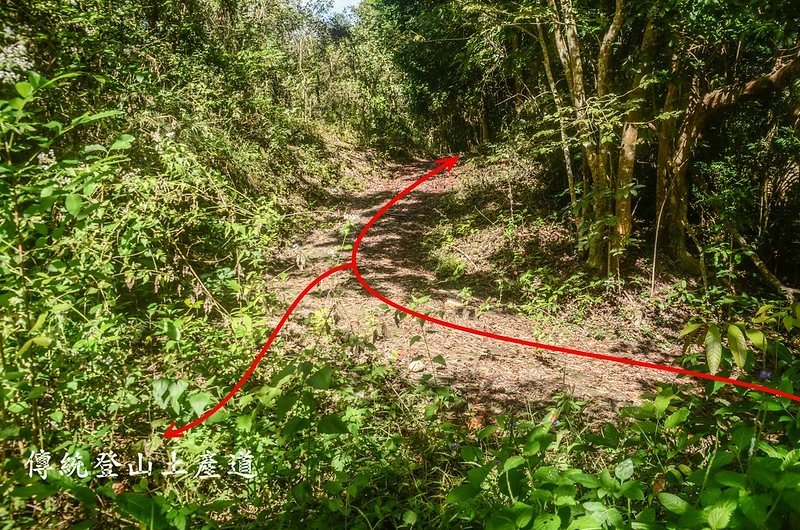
{"x": 488, "y": 372}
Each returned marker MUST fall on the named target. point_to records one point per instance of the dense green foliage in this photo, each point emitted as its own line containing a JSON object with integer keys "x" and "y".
{"x": 156, "y": 157}
{"x": 632, "y": 101}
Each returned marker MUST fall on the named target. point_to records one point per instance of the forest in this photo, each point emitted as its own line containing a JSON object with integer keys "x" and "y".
{"x": 509, "y": 264}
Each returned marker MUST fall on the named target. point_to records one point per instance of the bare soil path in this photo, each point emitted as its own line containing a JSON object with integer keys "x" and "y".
{"x": 489, "y": 373}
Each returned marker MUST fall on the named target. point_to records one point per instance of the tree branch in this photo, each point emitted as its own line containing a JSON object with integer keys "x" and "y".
{"x": 786, "y": 70}
{"x": 604, "y": 55}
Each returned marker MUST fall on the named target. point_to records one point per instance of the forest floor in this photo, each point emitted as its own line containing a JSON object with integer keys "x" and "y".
{"x": 491, "y": 375}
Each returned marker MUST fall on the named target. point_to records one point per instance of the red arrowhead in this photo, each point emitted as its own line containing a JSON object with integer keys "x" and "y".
{"x": 447, "y": 163}
{"x": 172, "y": 432}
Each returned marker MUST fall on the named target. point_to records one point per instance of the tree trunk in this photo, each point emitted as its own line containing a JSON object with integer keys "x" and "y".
{"x": 570, "y": 54}
{"x": 562, "y": 126}
{"x": 627, "y": 155}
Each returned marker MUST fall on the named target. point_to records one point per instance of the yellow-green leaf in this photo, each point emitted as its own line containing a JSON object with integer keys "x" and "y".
{"x": 758, "y": 339}
{"x": 73, "y": 203}
{"x": 43, "y": 341}
{"x": 24, "y": 89}
{"x": 690, "y": 328}
{"x": 737, "y": 345}
{"x": 713, "y": 348}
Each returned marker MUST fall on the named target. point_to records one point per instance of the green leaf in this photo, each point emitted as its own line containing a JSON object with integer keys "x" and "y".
{"x": 673, "y": 503}
{"x": 322, "y": 378}
{"x": 409, "y": 517}
{"x": 742, "y": 436}
{"x": 73, "y": 203}
{"x": 293, "y": 426}
{"x": 586, "y": 522}
{"x": 86, "y": 496}
{"x": 87, "y": 118}
{"x": 24, "y": 89}
{"x": 676, "y": 418}
{"x": 587, "y": 481}
{"x": 523, "y": 513}
{"x": 244, "y": 423}
{"x": 662, "y": 401}
{"x": 737, "y": 345}
{"x": 719, "y": 516}
{"x": 93, "y": 147}
{"x": 755, "y": 507}
{"x": 461, "y": 493}
{"x": 414, "y": 339}
{"x": 547, "y": 522}
{"x": 54, "y": 126}
{"x": 611, "y": 435}
{"x": 690, "y": 328}
{"x": 758, "y": 339}
{"x": 632, "y": 490}
{"x": 624, "y": 469}
{"x": 199, "y": 402}
{"x": 713, "y": 348}
{"x": 731, "y": 479}
{"x": 172, "y": 329}
{"x": 36, "y": 80}
{"x": 177, "y": 388}
{"x": 43, "y": 341}
{"x": 513, "y": 462}
{"x": 607, "y": 481}
{"x": 37, "y": 491}
{"x": 160, "y": 387}
{"x": 143, "y": 509}
{"x": 564, "y": 495}
{"x": 477, "y": 475}
{"x": 123, "y": 142}
{"x": 332, "y": 424}
{"x": 39, "y": 322}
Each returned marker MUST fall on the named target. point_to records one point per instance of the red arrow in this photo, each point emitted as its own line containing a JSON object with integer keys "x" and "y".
{"x": 177, "y": 432}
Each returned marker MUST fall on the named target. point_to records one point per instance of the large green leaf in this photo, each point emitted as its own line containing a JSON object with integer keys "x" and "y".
{"x": 123, "y": 142}
{"x": 737, "y": 345}
{"x": 143, "y": 509}
{"x": 758, "y": 339}
{"x": 547, "y": 522}
{"x": 24, "y": 89}
{"x": 673, "y": 503}
{"x": 624, "y": 469}
{"x": 690, "y": 328}
{"x": 676, "y": 418}
{"x": 322, "y": 378}
{"x": 73, "y": 203}
{"x": 719, "y": 516}
{"x": 755, "y": 507}
{"x": 199, "y": 401}
{"x": 332, "y": 424}
{"x": 37, "y": 491}
{"x": 461, "y": 494}
{"x": 713, "y": 348}
{"x": 513, "y": 462}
